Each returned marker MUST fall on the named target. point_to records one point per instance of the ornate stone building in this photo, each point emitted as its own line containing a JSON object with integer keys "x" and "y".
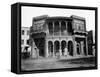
{"x": 63, "y": 36}
{"x": 25, "y": 32}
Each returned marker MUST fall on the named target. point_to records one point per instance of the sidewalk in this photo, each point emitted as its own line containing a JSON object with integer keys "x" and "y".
{"x": 57, "y": 62}
{"x": 53, "y": 59}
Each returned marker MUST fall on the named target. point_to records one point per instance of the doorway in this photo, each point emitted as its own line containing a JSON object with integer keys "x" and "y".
{"x": 70, "y": 48}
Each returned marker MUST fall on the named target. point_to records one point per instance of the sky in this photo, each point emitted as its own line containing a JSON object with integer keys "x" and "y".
{"x": 29, "y": 12}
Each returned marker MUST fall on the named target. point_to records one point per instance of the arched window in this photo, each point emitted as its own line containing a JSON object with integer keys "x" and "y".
{"x": 63, "y": 27}
{"x": 56, "y": 28}
{"x": 50, "y": 48}
{"x": 69, "y": 27}
{"x": 70, "y": 48}
{"x": 63, "y": 46}
{"x": 50, "y": 26}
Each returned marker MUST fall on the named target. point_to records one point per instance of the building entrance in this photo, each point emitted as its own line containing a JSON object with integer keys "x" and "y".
{"x": 70, "y": 48}
{"x": 40, "y": 44}
{"x": 56, "y": 47}
{"x": 50, "y": 48}
{"x": 63, "y": 45}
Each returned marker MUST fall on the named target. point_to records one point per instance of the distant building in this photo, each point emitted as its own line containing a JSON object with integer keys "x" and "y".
{"x": 55, "y": 36}
{"x": 90, "y": 42}
{"x": 25, "y": 32}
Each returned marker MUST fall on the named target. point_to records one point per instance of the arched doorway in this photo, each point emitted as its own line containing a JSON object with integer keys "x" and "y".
{"x": 70, "y": 48}
{"x": 50, "y": 27}
{"x": 56, "y": 47}
{"x": 50, "y": 48}
{"x": 78, "y": 48}
{"x": 63, "y": 45}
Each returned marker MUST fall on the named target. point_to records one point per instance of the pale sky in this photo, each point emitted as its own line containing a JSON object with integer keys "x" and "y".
{"x": 29, "y": 12}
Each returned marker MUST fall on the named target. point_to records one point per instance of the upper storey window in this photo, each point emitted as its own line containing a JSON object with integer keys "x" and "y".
{"x": 38, "y": 25}
{"x": 23, "y": 32}
{"x": 28, "y": 32}
{"x": 63, "y": 28}
{"x": 50, "y": 26}
{"x": 79, "y": 25}
{"x": 56, "y": 28}
{"x": 69, "y": 26}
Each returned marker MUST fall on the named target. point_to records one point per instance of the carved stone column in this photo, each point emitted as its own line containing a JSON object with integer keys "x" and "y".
{"x": 82, "y": 49}
{"x": 86, "y": 46}
{"x": 66, "y": 28}
{"x": 46, "y": 48}
{"x": 60, "y": 51}
{"x": 75, "y": 48}
{"x": 53, "y": 28}
{"x": 47, "y": 30}
{"x": 53, "y": 50}
{"x": 60, "y": 28}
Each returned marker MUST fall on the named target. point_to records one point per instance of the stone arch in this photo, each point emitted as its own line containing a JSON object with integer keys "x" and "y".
{"x": 56, "y": 47}
{"x": 63, "y": 45}
{"x": 70, "y": 48}
{"x": 50, "y": 47}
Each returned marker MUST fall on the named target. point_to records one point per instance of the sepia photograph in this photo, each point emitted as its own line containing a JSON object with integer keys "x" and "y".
{"x": 57, "y": 38}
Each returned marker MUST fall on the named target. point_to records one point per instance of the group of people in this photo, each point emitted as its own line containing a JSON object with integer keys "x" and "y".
{"x": 64, "y": 52}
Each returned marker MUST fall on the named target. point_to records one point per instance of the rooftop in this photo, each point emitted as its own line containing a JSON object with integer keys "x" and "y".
{"x": 57, "y": 17}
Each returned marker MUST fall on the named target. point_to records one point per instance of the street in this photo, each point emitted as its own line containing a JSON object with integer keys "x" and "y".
{"x": 41, "y": 64}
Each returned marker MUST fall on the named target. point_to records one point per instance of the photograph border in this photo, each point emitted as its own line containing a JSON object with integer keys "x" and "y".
{"x": 19, "y": 5}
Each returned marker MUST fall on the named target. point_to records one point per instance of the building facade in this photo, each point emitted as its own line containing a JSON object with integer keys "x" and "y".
{"x": 90, "y": 42}
{"x": 25, "y": 32}
{"x": 59, "y": 36}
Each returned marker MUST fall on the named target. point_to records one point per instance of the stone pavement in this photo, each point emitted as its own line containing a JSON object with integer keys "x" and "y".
{"x": 56, "y": 63}
{"x": 51, "y": 59}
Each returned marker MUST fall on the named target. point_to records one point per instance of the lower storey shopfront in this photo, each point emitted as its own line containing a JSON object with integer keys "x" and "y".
{"x": 60, "y": 46}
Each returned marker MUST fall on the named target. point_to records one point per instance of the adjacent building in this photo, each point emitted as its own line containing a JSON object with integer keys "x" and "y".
{"x": 90, "y": 42}
{"x": 25, "y": 34}
{"x": 59, "y": 36}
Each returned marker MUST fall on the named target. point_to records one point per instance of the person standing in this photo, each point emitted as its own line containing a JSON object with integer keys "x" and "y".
{"x": 37, "y": 52}
{"x": 65, "y": 51}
